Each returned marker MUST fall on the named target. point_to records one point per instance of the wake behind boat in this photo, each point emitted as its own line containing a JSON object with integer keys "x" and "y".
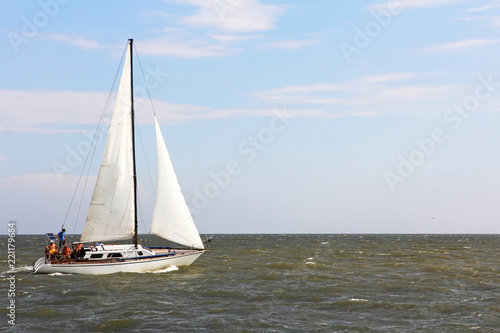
{"x": 112, "y": 213}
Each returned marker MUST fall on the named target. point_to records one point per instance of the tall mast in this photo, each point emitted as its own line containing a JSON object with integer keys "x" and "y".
{"x": 131, "y": 41}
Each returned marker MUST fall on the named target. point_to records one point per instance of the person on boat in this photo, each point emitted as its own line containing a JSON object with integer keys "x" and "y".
{"x": 73, "y": 253}
{"x": 99, "y": 243}
{"x": 79, "y": 252}
{"x": 62, "y": 237}
{"x": 51, "y": 250}
{"x": 66, "y": 251}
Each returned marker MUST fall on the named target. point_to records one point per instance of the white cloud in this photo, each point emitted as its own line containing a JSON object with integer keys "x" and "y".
{"x": 191, "y": 48}
{"x": 495, "y": 21}
{"x": 484, "y": 18}
{"x": 293, "y": 44}
{"x": 39, "y": 183}
{"x": 404, "y": 5}
{"x": 459, "y": 46}
{"x": 52, "y": 111}
{"x": 227, "y": 22}
{"x": 78, "y": 41}
{"x": 173, "y": 42}
{"x": 237, "y": 15}
{"x": 40, "y": 110}
{"x": 491, "y": 5}
{"x": 223, "y": 21}
{"x": 369, "y": 95}
{"x": 390, "y": 77}
{"x": 488, "y": 20}
{"x": 350, "y": 86}
{"x": 231, "y": 38}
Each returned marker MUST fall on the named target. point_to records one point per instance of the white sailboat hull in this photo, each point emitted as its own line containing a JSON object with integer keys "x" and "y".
{"x": 95, "y": 267}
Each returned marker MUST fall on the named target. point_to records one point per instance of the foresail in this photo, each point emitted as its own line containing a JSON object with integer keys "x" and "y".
{"x": 111, "y": 212}
{"x": 171, "y": 218}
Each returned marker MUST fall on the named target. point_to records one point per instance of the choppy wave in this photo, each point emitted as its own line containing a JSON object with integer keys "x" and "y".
{"x": 297, "y": 283}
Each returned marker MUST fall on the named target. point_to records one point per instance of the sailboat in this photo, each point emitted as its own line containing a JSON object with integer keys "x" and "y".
{"x": 112, "y": 213}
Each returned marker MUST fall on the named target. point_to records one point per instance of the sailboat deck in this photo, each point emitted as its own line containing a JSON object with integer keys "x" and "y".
{"x": 171, "y": 252}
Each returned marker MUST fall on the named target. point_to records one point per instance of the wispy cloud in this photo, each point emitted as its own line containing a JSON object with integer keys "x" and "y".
{"x": 191, "y": 48}
{"x": 172, "y": 42}
{"x": 459, "y": 46}
{"x": 495, "y": 21}
{"x": 231, "y": 38}
{"x": 238, "y": 16}
{"x": 491, "y": 5}
{"x": 487, "y": 20}
{"x": 52, "y": 111}
{"x": 29, "y": 110}
{"x": 413, "y": 4}
{"x": 293, "y": 44}
{"x": 222, "y": 22}
{"x": 350, "y": 86}
{"x": 368, "y": 95}
{"x": 75, "y": 40}
{"x": 212, "y": 29}
{"x": 391, "y": 77}
{"x": 364, "y": 96}
{"x": 38, "y": 183}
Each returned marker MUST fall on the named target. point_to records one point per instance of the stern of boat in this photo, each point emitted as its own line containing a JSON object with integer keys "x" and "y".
{"x": 40, "y": 264}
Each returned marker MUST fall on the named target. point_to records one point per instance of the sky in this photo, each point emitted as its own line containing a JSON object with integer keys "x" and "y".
{"x": 286, "y": 116}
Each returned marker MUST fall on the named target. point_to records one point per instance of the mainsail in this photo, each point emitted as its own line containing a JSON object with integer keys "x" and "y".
{"x": 111, "y": 212}
{"x": 171, "y": 218}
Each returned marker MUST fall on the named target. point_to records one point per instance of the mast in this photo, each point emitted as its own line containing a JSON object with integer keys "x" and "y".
{"x": 131, "y": 41}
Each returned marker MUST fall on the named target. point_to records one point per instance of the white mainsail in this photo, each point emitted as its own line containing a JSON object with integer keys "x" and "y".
{"x": 111, "y": 212}
{"x": 171, "y": 218}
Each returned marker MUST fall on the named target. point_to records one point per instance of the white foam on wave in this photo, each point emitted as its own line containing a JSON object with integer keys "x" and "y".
{"x": 57, "y": 274}
{"x": 17, "y": 270}
{"x": 165, "y": 270}
{"x": 24, "y": 268}
{"x": 358, "y": 300}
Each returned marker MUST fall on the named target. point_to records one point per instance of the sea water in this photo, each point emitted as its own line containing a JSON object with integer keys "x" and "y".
{"x": 273, "y": 283}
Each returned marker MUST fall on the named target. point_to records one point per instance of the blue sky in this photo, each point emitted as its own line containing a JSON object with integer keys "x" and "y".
{"x": 280, "y": 116}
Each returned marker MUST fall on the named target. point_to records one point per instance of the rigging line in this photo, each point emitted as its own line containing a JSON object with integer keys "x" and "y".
{"x": 138, "y": 130}
{"x": 93, "y": 146}
{"x": 145, "y": 82}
